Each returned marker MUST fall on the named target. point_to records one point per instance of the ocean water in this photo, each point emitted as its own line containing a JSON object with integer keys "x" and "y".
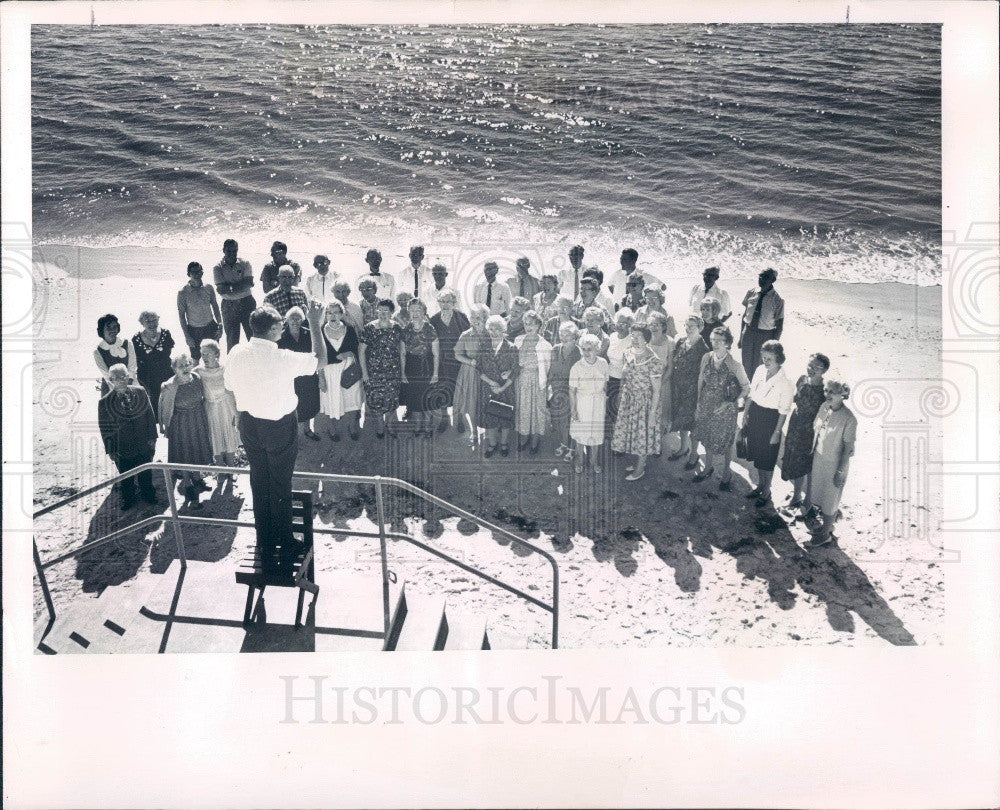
{"x": 813, "y": 149}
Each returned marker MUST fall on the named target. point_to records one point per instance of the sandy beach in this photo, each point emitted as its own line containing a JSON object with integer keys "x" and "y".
{"x": 656, "y": 563}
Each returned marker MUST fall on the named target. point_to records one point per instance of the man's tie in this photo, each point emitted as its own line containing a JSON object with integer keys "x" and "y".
{"x": 416, "y": 282}
{"x": 489, "y": 296}
{"x": 520, "y": 287}
{"x": 576, "y": 283}
{"x": 755, "y": 320}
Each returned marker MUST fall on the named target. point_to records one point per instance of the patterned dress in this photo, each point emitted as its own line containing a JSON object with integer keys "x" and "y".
{"x": 494, "y": 364}
{"x": 715, "y": 430}
{"x": 589, "y": 381}
{"x": 189, "y": 438}
{"x": 419, "y": 367}
{"x": 220, "y": 410}
{"x": 531, "y": 411}
{"x": 153, "y": 364}
{"x": 665, "y": 352}
{"x": 448, "y": 335}
{"x": 470, "y": 344}
{"x": 382, "y": 360}
{"x": 563, "y": 359}
{"x": 797, "y": 460}
{"x": 684, "y": 387}
{"x": 635, "y": 432}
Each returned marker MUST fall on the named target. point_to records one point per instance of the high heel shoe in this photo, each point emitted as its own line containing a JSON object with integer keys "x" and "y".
{"x": 504, "y": 450}
{"x": 691, "y": 465}
{"x": 704, "y": 475}
{"x": 677, "y": 455}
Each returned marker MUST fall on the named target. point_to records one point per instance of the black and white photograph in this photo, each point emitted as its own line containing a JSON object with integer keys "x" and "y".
{"x": 614, "y": 304}
{"x": 350, "y": 336}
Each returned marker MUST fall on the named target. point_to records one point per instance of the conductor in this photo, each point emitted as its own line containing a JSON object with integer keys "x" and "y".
{"x": 262, "y": 378}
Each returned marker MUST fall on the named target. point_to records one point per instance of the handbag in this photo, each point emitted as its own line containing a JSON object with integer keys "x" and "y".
{"x": 349, "y": 376}
{"x": 743, "y": 445}
{"x": 498, "y": 409}
{"x": 732, "y": 389}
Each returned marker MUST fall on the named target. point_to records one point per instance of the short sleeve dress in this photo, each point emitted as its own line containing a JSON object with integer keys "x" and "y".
{"x": 153, "y": 364}
{"x": 419, "y": 367}
{"x": 494, "y": 364}
{"x": 589, "y": 381}
{"x": 684, "y": 383}
{"x": 470, "y": 344}
{"x": 635, "y": 432}
{"x": 220, "y": 410}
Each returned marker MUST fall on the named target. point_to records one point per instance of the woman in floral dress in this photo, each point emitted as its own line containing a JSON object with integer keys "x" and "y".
{"x": 721, "y": 383}
{"x": 797, "y": 459}
{"x": 381, "y": 370}
{"x": 220, "y": 406}
{"x": 497, "y": 369}
{"x": 421, "y": 356}
{"x": 184, "y": 422}
{"x": 152, "y": 356}
{"x": 637, "y": 426}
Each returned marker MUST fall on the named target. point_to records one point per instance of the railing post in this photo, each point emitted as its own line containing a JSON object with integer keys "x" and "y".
{"x": 175, "y": 522}
{"x": 380, "y": 506}
{"x": 43, "y": 582}
{"x": 555, "y": 608}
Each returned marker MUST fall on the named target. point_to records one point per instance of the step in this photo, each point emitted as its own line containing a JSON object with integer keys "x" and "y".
{"x": 123, "y": 628}
{"x": 348, "y": 614}
{"x": 423, "y": 625}
{"x": 466, "y": 631}
{"x": 73, "y": 628}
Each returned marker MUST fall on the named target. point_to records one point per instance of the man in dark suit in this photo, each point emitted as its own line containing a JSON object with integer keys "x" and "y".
{"x": 128, "y": 428}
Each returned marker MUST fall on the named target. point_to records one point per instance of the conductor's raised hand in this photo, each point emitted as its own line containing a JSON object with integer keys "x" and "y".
{"x": 315, "y": 312}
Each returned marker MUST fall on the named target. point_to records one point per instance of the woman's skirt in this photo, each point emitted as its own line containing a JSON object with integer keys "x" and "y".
{"x": 467, "y": 385}
{"x": 761, "y": 423}
{"x": 307, "y": 390}
{"x": 495, "y": 418}
{"x": 221, "y": 416}
{"x": 337, "y": 401}
{"x": 531, "y": 412}
{"x": 560, "y": 408}
{"x": 189, "y": 438}
{"x": 611, "y": 403}
{"x": 442, "y": 393}
{"x": 418, "y": 370}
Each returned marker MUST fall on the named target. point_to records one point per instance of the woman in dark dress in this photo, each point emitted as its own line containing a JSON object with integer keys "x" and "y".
{"x": 497, "y": 369}
{"x": 381, "y": 370}
{"x": 449, "y": 324}
{"x": 797, "y": 459}
{"x": 687, "y": 366}
{"x": 152, "y": 355}
{"x": 184, "y": 422}
{"x": 421, "y": 355}
{"x": 296, "y": 337}
{"x": 112, "y": 349}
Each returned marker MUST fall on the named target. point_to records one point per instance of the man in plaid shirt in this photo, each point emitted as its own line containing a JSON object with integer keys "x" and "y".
{"x": 286, "y": 295}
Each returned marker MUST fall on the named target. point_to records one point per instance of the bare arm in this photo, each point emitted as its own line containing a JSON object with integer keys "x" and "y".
{"x": 436, "y": 351}
{"x": 214, "y": 303}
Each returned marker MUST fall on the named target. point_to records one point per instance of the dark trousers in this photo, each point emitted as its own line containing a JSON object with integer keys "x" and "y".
{"x": 751, "y": 342}
{"x": 271, "y": 446}
{"x": 209, "y": 331}
{"x": 234, "y": 315}
{"x": 127, "y": 486}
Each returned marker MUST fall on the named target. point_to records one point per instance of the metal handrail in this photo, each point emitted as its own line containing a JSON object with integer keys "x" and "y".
{"x": 378, "y": 481}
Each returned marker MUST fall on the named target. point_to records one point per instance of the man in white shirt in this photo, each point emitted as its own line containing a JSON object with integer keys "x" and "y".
{"x": 710, "y": 289}
{"x": 416, "y": 278}
{"x": 385, "y": 285}
{"x": 523, "y": 284}
{"x": 603, "y": 299}
{"x": 569, "y": 278}
{"x": 319, "y": 286}
{"x": 262, "y": 378}
{"x": 619, "y": 278}
{"x": 439, "y": 273}
{"x": 495, "y": 296}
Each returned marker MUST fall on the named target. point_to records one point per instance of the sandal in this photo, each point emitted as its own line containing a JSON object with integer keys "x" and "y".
{"x": 635, "y": 476}
{"x": 311, "y": 434}
{"x": 704, "y": 475}
{"x": 489, "y": 451}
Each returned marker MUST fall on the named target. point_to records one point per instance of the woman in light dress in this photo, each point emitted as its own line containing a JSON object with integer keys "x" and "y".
{"x": 663, "y": 346}
{"x": 342, "y": 406}
{"x": 545, "y": 301}
{"x": 534, "y": 353}
{"x": 654, "y": 297}
{"x": 618, "y": 341}
{"x": 588, "y": 381}
{"x": 467, "y": 385}
{"x": 637, "y": 428}
{"x": 836, "y": 430}
{"x": 220, "y": 406}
